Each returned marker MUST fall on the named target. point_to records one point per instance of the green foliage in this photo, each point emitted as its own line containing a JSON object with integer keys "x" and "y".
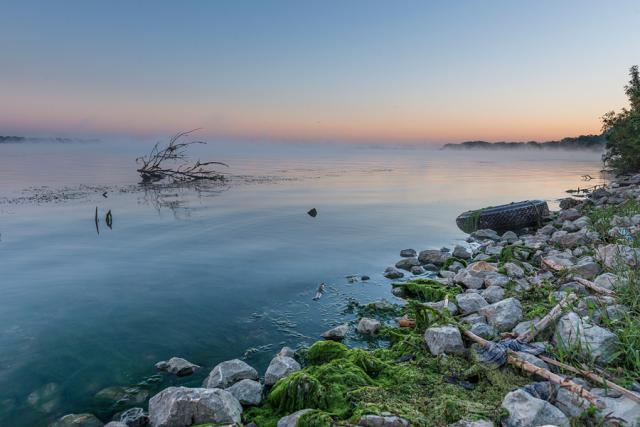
{"x": 428, "y": 289}
{"x": 600, "y": 219}
{"x": 297, "y": 391}
{"x": 449, "y": 262}
{"x": 325, "y": 351}
{"x": 315, "y": 418}
{"x": 622, "y": 130}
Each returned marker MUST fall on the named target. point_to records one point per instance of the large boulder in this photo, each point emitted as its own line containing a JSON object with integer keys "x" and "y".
{"x": 182, "y": 406}
{"x": 382, "y": 421}
{"x": 444, "y": 339}
{"x": 248, "y": 392}
{"x": 528, "y": 411}
{"x": 569, "y": 240}
{"x": 586, "y": 270}
{"x": 503, "y": 315}
{"x": 614, "y": 255}
{"x": 592, "y": 341}
{"x": 470, "y": 302}
{"x": 229, "y": 372}
{"x": 280, "y": 367}
{"x": 619, "y": 407}
{"x": 177, "y": 366}
{"x": 77, "y": 420}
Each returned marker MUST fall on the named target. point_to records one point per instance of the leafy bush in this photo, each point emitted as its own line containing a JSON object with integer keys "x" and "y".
{"x": 622, "y": 130}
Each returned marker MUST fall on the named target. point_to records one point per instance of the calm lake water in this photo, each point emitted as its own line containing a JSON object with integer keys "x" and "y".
{"x": 214, "y": 273}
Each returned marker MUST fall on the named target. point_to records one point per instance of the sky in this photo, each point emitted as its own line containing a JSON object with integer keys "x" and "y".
{"x": 402, "y": 71}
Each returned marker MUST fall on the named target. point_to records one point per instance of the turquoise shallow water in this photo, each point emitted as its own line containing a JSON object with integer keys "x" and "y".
{"x": 214, "y": 273}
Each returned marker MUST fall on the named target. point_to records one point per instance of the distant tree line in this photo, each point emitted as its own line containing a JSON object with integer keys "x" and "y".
{"x": 622, "y": 131}
{"x": 589, "y": 142}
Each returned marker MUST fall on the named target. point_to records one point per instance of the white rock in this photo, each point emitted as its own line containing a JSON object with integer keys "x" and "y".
{"x": 444, "y": 339}
{"x": 182, "y": 406}
{"x": 229, "y": 372}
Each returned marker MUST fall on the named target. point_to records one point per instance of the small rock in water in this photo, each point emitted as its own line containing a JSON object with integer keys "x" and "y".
{"x": 408, "y": 253}
{"x": 177, "y": 366}
{"x": 364, "y": 278}
{"x": 392, "y": 273}
{"x": 336, "y": 334}
{"x": 312, "y": 213}
{"x": 407, "y": 263}
{"x": 417, "y": 270}
{"x": 227, "y": 373}
{"x": 319, "y": 292}
{"x": 286, "y": 352}
{"x": 368, "y": 326}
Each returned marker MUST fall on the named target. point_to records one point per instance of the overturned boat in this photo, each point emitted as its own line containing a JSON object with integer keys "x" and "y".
{"x": 513, "y": 216}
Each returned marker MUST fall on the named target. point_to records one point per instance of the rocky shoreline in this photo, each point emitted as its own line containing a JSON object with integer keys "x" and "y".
{"x": 513, "y": 329}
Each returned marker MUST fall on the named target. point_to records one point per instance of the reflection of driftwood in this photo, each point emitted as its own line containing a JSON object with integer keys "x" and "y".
{"x": 171, "y": 162}
{"x": 176, "y": 197}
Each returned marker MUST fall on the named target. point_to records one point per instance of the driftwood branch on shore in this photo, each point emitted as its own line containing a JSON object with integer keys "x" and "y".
{"x": 598, "y": 289}
{"x": 171, "y": 162}
{"x": 565, "y": 383}
{"x": 593, "y": 377}
{"x": 541, "y": 325}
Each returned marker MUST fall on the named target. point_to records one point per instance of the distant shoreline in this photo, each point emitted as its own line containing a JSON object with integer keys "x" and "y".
{"x": 582, "y": 142}
{"x": 18, "y": 139}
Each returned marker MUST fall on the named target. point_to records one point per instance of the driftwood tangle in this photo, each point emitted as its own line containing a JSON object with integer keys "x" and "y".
{"x": 172, "y": 163}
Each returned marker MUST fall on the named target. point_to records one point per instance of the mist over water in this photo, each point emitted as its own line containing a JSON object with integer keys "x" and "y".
{"x": 219, "y": 272}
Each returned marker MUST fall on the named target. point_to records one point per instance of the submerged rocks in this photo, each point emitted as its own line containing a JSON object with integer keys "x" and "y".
{"x": 591, "y": 341}
{"x": 280, "y": 367}
{"x": 229, "y": 372}
{"x": 444, "y": 339}
{"x": 526, "y": 411}
{"x": 503, "y": 315}
{"x": 177, "y": 366}
{"x": 182, "y": 406}
{"x": 77, "y": 420}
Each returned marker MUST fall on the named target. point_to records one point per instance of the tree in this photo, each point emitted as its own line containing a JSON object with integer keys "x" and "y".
{"x": 622, "y": 130}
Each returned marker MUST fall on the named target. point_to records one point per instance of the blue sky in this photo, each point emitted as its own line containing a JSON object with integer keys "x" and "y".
{"x": 355, "y": 70}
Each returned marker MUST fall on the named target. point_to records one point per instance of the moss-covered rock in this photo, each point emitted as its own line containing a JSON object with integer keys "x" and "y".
{"x": 325, "y": 351}
{"x": 299, "y": 390}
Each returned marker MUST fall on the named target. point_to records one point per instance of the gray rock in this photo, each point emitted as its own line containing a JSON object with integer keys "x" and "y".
{"x": 528, "y": 411}
{"x": 586, "y": 270}
{"x": 570, "y": 214}
{"x": 461, "y": 252}
{"x": 287, "y": 352}
{"x": 590, "y": 340}
{"x": 493, "y": 294}
{"x": 613, "y": 255}
{"x": 177, "y": 366}
{"x": 473, "y": 319}
{"x": 503, "y": 315}
{"x": 466, "y": 423}
{"x": 470, "y": 302}
{"x": 569, "y": 240}
{"x": 392, "y": 273}
{"x": 408, "y": 253}
{"x": 483, "y": 330}
{"x": 509, "y": 237}
{"x": 485, "y": 234}
{"x": 563, "y": 260}
{"x": 606, "y": 280}
{"x": 468, "y": 280}
{"x": 248, "y": 392}
{"x": 77, "y": 420}
{"x": 115, "y": 424}
{"x": 547, "y": 230}
{"x": 407, "y": 263}
{"x": 528, "y": 357}
{"x": 280, "y": 367}
{"x": 382, "y": 421}
{"x": 336, "y": 334}
{"x": 45, "y": 398}
{"x": 570, "y": 226}
{"x": 292, "y": 420}
{"x": 619, "y": 407}
{"x": 368, "y": 326}
{"x": 456, "y": 266}
{"x": 514, "y": 270}
{"x": 525, "y": 326}
{"x": 417, "y": 270}
{"x": 570, "y": 404}
{"x": 182, "y": 406}
{"x": 433, "y": 256}
{"x": 496, "y": 279}
{"x": 229, "y": 372}
{"x": 444, "y": 339}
